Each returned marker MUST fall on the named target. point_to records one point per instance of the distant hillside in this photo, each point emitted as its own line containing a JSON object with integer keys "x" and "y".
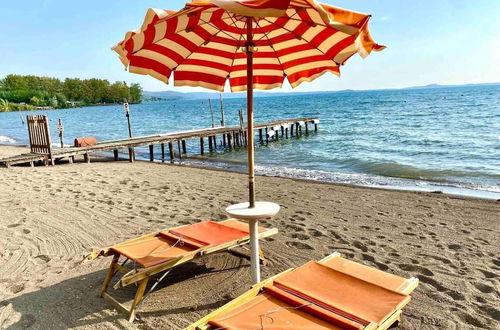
{"x": 172, "y": 95}
{"x": 447, "y": 86}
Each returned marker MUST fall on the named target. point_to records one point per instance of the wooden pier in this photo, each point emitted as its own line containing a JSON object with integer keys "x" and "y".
{"x": 232, "y": 137}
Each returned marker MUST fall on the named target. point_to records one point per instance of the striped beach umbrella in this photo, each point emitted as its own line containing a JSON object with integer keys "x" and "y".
{"x": 247, "y": 45}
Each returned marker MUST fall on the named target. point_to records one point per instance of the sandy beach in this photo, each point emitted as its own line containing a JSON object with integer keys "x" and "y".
{"x": 52, "y": 216}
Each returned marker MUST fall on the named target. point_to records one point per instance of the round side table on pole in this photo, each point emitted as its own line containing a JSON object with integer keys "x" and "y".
{"x": 260, "y": 211}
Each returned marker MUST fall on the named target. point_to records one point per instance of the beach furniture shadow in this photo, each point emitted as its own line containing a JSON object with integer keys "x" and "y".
{"x": 74, "y": 302}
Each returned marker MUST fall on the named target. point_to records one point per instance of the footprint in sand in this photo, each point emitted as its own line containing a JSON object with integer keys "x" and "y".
{"x": 299, "y": 245}
{"x": 300, "y": 236}
{"x": 487, "y": 274}
{"x": 339, "y": 238}
{"x": 315, "y": 232}
{"x": 16, "y": 288}
{"x": 43, "y": 257}
{"x": 416, "y": 268}
{"x": 484, "y": 288}
{"x": 294, "y": 228}
{"x": 360, "y": 246}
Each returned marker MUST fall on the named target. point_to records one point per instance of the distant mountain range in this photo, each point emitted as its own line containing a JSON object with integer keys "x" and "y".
{"x": 172, "y": 95}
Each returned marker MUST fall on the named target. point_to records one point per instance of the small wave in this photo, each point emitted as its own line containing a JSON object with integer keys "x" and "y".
{"x": 396, "y": 170}
{"x": 370, "y": 180}
{"x": 7, "y": 139}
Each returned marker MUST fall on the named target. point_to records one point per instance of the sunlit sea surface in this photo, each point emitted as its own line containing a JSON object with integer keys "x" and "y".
{"x": 440, "y": 139}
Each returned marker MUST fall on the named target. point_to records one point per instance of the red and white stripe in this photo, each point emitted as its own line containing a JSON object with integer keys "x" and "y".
{"x": 203, "y": 44}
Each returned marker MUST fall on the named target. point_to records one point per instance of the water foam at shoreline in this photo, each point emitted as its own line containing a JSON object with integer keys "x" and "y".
{"x": 7, "y": 139}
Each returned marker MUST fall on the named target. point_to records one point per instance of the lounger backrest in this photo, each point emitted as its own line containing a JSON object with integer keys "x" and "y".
{"x": 369, "y": 274}
{"x": 209, "y": 233}
{"x": 359, "y": 300}
{"x": 39, "y": 134}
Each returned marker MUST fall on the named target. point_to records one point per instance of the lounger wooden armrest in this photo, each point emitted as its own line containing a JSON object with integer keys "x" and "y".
{"x": 252, "y": 301}
{"x": 160, "y": 251}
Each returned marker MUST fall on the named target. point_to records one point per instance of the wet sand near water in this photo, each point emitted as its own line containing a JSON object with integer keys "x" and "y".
{"x": 51, "y": 216}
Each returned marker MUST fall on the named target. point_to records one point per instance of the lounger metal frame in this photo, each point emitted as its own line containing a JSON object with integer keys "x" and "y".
{"x": 256, "y": 289}
{"x": 141, "y": 275}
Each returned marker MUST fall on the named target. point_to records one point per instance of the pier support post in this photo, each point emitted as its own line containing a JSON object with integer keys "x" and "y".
{"x": 115, "y": 154}
{"x": 229, "y": 141}
{"x": 151, "y": 153}
{"x": 86, "y": 158}
{"x": 224, "y": 140}
{"x": 286, "y": 133}
{"x": 260, "y": 134}
{"x": 179, "y": 150}
{"x": 210, "y": 146}
{"x": 282, "y": 131}
{"x": 267, "y": 136}
{"x": 202, "y": 147}
{"x": 184, "y": 149}
{"x": 171, "y": 151}
{"x": 307, "y": 129}
{"x": 315, "y": 126}
{"x": 163, "y": 152}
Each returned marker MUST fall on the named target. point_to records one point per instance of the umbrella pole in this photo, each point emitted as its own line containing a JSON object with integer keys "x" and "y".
{"x": 254, "y": 224}
{"x": 250, "y": 144}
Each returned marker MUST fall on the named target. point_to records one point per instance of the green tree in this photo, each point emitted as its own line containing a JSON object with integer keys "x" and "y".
{"x": 35, "y": 101}
{"x": 73, "y": 88}
{"x": 135, "y": 93}
{"x": 14, "y": 82}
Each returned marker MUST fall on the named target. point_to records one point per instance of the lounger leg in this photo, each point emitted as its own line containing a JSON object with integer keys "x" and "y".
{"x": 138, "y": 296}
{"x": 109, "y": 275}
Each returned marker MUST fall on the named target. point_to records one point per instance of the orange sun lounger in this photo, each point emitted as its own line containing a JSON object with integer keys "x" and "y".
{"x": 333, "y": 293}
{"x": 160, "y": 251}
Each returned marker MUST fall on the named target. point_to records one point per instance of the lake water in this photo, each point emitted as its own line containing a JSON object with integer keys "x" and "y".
{"x": 445, "y": 139}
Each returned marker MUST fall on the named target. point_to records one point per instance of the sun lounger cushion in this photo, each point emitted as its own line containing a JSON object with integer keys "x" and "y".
{"x": 171, "y": 244}
{"x": 368, "y": 274}
{"x": 209, "y": 233}
{"x": 266, "y": 311}
{"x": 151, "y": 251}
{"x": 362, "y": 301}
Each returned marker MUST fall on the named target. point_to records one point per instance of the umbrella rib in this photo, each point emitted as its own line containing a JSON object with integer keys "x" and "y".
{"x": 271, "y": 45}
{"x": 215, "y": 27}
{"x": 300, "y": 37}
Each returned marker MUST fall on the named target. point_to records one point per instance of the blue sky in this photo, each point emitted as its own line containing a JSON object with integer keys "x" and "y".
{"x": 438, "y": 41}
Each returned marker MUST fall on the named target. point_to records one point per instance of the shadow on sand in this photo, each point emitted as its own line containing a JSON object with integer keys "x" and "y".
{"x": 75, "y": 303}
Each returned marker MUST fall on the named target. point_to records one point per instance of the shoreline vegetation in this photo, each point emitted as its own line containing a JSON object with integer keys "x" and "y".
{"x": 29, "y": 92}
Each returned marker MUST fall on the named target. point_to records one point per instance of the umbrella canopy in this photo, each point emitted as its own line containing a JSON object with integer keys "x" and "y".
{"x": 204, "y": 43}
{"x": 253, "y": 44}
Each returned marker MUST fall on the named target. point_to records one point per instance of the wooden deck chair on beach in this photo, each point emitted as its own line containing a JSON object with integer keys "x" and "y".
{"x": 161, "y": 251}
{"x": 333, "y": 293}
